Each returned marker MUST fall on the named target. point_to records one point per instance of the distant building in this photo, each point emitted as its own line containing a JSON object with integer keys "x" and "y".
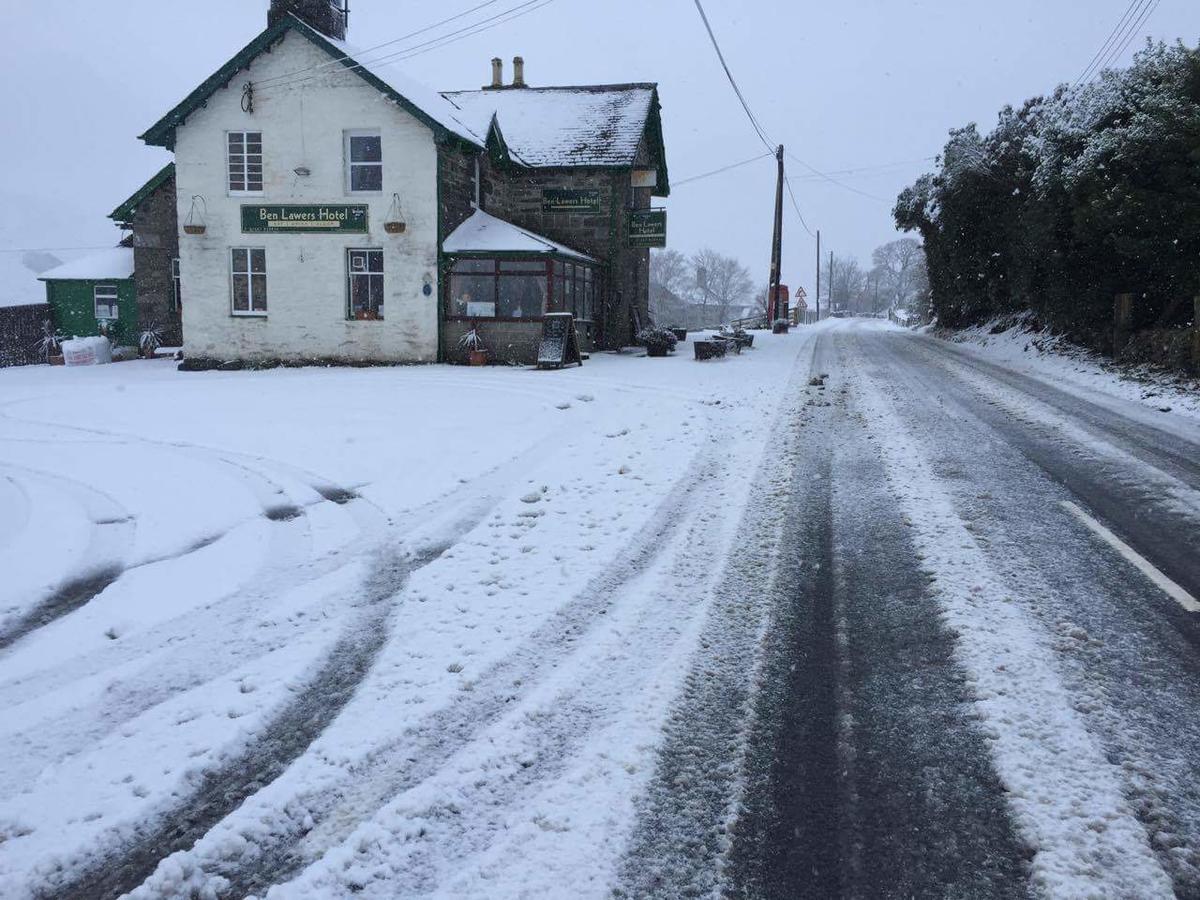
{"x": 335, "y": 210}
{"x": 95, "y": 295}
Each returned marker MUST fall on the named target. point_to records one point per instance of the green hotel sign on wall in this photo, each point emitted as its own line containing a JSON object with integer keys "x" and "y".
{"x": 585, "y": 200}
{"x": 648, "y": 228}
{"x": 305, "y": 219}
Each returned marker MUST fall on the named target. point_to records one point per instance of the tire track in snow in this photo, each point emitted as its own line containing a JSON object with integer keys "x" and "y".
{"x": 493, "y": 776}
{"x": 330, "y": 816}
{"x": 679, "y": 844}
{"x": 1128, "y": 654}
{"x": 1066, "y": 797}
{"x": 281, "y": 741}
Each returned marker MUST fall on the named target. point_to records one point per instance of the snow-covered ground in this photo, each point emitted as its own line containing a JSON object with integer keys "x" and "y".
{"x": 418, "y": 619}
{"x": 1074, "y": 368}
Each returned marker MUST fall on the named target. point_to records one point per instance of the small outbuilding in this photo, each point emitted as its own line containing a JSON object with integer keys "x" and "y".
{"x": 95, "y": 295}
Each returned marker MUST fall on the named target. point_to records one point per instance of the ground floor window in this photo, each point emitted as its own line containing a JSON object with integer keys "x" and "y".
{"x": 104, "y": 297}
{"x": 516, "y": 289}
{"x": 575, "y": 290}
{"x": 176, "y": 287}
{"x": 249, "y": 270}
{"x": 364, "y": 269}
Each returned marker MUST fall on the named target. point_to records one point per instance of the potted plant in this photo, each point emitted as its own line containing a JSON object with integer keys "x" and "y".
{"x": 394, "y": 223}
{"x": 194, "y": 223}
{"x": 477, "y": 351}
{"x": 680, "y": 334}
{"x": 50, "y": 344}
{"x": 780, "y": 326}
{"x": 657, "y": 341}
{"x": 149, "y": 341}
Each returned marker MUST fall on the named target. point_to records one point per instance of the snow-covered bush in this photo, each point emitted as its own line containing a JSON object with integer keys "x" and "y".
{"x": 657, "y": 341}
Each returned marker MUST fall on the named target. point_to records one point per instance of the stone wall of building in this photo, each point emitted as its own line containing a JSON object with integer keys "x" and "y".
{"x": 21, "y": 329}
{"x": 516, "y": 195}
{"x": 155, "y": 245}
{"x": 456, "y": 187}
{"x": 303, "y": 127}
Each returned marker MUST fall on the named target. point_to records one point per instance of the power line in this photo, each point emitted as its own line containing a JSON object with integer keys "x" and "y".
{"x": 736, "y": 165}
{"x": 1132, "y": 33}
{"x": 796, "y": 206}
{"x": 333, "y": 62}
{"x": 436, "y": 43}
{"x": 827, "y": 177}
{"x": 1108, "y": 42}
{"x": 762, "y": 136}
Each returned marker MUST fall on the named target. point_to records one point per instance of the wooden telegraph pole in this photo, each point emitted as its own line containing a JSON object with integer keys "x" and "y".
{"x": 776, "y": 304}
{"x": 818, "y": 274}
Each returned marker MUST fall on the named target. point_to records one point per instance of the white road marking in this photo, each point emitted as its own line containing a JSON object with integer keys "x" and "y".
{"x": 1161, "y": 581}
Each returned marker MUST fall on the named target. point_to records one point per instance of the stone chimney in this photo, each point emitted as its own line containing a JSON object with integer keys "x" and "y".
{"x": 518, "y": 72}
{"x": 497, "y": 72}
{"x": 329, "y": 17}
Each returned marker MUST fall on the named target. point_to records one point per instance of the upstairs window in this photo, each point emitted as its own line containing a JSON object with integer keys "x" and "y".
{"x": 249, "y": 269}
{"x": 245, "y": 162}
{"x": 364, "y": 162}
{"x": 104, "y": 297}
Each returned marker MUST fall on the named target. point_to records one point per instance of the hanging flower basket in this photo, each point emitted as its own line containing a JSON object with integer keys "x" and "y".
{"x": 394, "y": 223}
{"x": 194, "y": 223}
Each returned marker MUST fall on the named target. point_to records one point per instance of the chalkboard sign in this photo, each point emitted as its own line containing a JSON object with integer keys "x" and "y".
{"x": 560, "y": 343}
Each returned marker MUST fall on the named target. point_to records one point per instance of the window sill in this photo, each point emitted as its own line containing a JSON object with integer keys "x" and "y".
{"x": 245, "y": 193}
{"x": 248, "y": 315}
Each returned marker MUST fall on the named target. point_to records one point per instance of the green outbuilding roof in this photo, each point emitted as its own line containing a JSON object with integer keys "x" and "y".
{"x": 123, "y": 214}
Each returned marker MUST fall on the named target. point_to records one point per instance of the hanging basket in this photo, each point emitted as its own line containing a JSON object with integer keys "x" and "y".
{"x": 194, "y": 223}
{"x": 394, "y": 223}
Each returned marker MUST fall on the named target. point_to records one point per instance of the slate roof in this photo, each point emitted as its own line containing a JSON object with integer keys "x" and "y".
{"x": 426, "y": 105}
{"x": 123, "y": 214}
{"x": 116, "y": 263}
{"x": 485, "y": 234}
{"x": 600, "y": 125}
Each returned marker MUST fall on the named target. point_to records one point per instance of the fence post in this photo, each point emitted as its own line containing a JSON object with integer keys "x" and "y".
{"x": 1196, "y": 333}
{"x": 1122, "y": 312}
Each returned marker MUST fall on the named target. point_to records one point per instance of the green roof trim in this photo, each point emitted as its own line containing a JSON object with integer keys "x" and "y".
{"x": 654, "y": 126}
{"x": 123, "y": 214}
{"x": 162, "y": 132}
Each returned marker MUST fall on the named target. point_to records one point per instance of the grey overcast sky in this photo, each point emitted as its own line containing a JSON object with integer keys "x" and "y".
{"x": 845, "y": 85}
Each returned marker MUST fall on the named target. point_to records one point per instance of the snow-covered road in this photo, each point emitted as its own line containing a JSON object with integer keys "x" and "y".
{"x": 650, "y": 627}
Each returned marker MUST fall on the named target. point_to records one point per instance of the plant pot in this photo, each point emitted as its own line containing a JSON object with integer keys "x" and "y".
{"x": 780, "y": 328}
{"x": 657, "y": 351}
{"x": 58, "y": 360}
{"x": 680, "y": 334}
{"x": 478, "y": 357}
{"x": 394, "y": 227}
{"x": 194, "y": 229}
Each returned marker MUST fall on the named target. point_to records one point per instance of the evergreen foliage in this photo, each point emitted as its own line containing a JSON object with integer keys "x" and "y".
{"x": 1069, "y": 200}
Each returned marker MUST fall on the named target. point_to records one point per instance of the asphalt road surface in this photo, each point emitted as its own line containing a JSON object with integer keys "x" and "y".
{"x": 980, "y": 674}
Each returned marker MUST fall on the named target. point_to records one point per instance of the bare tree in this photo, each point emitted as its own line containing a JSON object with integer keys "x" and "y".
{"x": 847, "y": 284}
{"x": 903, "y": 265}
{"x": 721, "y": 282}
{"x": 670, "y": 281}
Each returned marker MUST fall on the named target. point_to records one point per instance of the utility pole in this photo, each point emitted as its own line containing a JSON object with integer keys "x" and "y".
{"x": 774, "y": 302}
{"x": 818, "y": 274}
{"x": 831, "y": 306}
